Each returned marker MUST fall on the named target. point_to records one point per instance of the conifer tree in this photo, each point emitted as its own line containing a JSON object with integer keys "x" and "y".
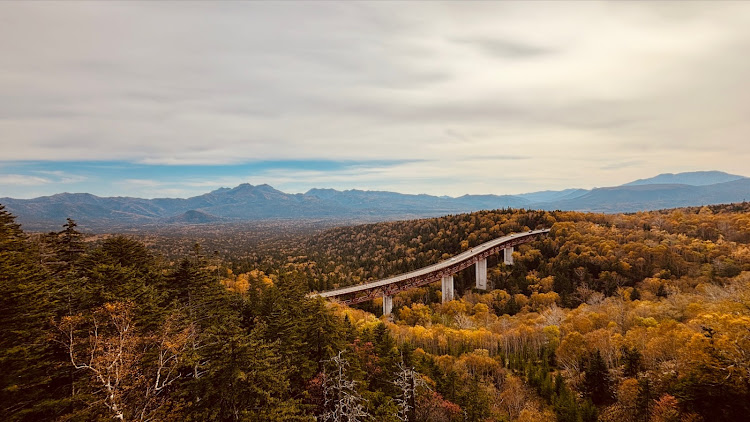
{"x": 70, "y": 242}
{"x": 632, "y": 358}
{"x": 643, "y": 399}
{"x": 597, "y": 383}
{"x": 27, "y": 363}
{"x": 308, "y": 333}
{"x": 244, "y": 379}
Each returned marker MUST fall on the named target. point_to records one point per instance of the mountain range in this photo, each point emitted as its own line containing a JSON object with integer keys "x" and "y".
{"x": 262, "y": 202}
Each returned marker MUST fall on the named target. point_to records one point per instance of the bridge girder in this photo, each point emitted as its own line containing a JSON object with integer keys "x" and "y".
{"x": 368, "y": 294}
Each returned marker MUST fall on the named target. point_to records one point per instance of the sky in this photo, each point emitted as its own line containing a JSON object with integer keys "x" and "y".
{"x": 174, "y": 99}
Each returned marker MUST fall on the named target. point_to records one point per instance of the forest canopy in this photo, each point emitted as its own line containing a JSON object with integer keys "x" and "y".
{"x": 637, "y": 317}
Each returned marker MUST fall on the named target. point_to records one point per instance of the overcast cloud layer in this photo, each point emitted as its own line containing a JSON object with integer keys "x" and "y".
{"x": 441, "y": 98}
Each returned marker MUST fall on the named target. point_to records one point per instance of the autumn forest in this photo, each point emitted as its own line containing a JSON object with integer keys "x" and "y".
{"x": 611, "y": 317}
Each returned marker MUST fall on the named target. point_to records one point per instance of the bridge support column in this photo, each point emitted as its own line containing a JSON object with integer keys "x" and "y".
{"x": 387, "y": 304}
{"x": 508, "y": 256}
{"x": 447, "y": 288}
{"x": 481, "y": 273}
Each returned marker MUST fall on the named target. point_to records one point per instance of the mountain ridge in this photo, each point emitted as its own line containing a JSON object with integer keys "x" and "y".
{"x": 693, "y": 178}
{"x": 247, "y": 202}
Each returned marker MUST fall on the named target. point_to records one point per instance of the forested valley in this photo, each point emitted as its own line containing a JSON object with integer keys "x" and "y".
{"x": 623, "y": 317}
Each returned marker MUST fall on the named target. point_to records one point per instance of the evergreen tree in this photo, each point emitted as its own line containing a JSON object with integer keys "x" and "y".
{"x": 643, "y": 400}
{"x": 564, "y": 405}
{"x": 632, "y": 358}
{"x": 307, "y": 331}
{"x": 512, "y": 307}
{"x": 29, "y": 388}
{"x": 475, "y": 401}
{"x": 597, "y": 383}
{"x": 122, "y": 269}
{"x": 588, "y": 411}
{"x": 244, "y": 379}
{"x": 388, "y": 358}
{"x": 70, "y": 244}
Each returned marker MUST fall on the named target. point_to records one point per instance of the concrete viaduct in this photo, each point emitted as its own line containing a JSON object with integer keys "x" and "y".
{"x": 443, "y": 270}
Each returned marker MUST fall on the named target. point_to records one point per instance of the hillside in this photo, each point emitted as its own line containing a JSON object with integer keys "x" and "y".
{"x": 612, "y": 317}
{"x": 355, "y": 254}
{"x": 193, "y": 217}
{"x": 633, "y": 291}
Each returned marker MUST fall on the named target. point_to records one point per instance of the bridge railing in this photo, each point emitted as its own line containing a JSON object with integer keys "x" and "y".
{"x": 431, "y": 273}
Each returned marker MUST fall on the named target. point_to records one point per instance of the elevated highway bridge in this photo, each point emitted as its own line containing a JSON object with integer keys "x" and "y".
{"x": 443, "y": 270}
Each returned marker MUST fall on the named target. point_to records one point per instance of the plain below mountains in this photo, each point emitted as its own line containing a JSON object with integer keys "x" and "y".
{"x": 262, "y": 202}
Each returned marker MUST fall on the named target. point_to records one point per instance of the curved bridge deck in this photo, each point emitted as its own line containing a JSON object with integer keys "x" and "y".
{"x": 432, "y": 273}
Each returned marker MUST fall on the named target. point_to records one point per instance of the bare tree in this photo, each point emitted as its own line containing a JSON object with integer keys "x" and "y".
{"x": 170, "y": 345}
{"x": 583, "y": 292}
{"x": 408, "y": 381}
{"x": 463, "y": 321}
{"x": 107, "y": 347}
{"x": 341, "y": 401}
{"x": 553, "y": 316}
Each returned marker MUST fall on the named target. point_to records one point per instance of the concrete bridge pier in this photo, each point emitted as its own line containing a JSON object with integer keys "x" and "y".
{"x": 481, "y": 274}
{"x": 447, "y": 288}
{"x": 387, "y": 304}
{"x": 444, "y": 271}
{"x": 508, "y": 256}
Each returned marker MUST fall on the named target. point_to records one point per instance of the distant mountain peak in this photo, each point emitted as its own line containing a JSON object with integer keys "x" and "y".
{"x": 247, "y": 187}
{"x": 692, "y": 178}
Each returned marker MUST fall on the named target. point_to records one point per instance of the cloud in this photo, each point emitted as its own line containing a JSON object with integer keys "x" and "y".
{"x": 621, "y": 165}
{"x": 58, "y": 176}
{"x": 22, "y": 180}
{"x": 48, "y": 177}
{"x": 143, "y": 182}
{"x": 547, "y": 94}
